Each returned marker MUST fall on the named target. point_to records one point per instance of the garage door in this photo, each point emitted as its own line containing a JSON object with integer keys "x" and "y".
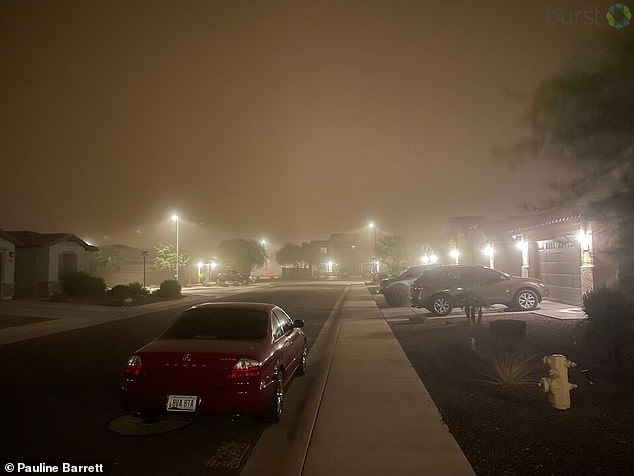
{"x": 559, "y": 263}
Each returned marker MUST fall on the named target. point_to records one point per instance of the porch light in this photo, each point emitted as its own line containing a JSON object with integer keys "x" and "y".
{"x": 584, "y": 240}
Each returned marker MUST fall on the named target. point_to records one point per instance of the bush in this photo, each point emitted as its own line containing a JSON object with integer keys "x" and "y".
{"x": 511, "y": 370}
{"x": 169, "y": 288}
{"x": 121, "y": 291}
{"x": 609, "y": 317}
{"x": 608, "y": 310}
{"x": 82, "y": 285}
{"x": 137, "y": 289}
{"x": 397, "y": 296}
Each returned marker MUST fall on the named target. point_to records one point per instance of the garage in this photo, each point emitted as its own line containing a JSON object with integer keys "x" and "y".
{"x": 558, "y": 266}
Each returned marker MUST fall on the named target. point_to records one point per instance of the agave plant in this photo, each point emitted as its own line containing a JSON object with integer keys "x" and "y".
{"x": 510, "y": 369}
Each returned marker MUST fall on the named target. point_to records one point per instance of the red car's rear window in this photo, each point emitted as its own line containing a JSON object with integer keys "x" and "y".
{"x": 222, "y": 324}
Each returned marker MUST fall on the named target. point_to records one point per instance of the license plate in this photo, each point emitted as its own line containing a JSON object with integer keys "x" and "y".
{"x": 181, "y": 403}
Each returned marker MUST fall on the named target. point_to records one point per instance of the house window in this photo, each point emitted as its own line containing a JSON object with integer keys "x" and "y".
{"x": 324, "y": 250}
{"x": 67, "y": 263}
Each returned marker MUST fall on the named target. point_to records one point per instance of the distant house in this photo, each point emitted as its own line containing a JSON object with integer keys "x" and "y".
{"x": 41, "y": 258}
{"x": 7, "y": 265}
{"x": 351, "y": 253}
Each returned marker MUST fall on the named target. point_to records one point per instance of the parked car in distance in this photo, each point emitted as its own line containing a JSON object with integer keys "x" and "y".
{"x": 440, "y": 290}
{"x": 397, "y": 288}
{"x": 232, "y": 277}
{"x": 217, "y": 358}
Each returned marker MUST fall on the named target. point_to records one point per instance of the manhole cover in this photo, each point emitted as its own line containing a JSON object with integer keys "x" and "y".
{"x": 130, "y": 425}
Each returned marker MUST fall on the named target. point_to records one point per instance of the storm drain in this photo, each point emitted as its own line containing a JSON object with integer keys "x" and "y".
{"x": 130, "y": 425}
{"x": 229, "y": 455}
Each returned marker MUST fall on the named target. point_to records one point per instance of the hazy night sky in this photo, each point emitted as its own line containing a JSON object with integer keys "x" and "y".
{"x": 285, "y": 120}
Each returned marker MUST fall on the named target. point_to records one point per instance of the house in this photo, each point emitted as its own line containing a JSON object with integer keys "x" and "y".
{"x": 7, "y": 265}
{"x": 570, "y": 250}
{"x": 351, "y": 253}
{"x": 41, "y": 258}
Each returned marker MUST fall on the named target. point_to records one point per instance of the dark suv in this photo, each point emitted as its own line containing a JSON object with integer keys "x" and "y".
{"x": 232, "y": 277}
{"x": 440, "y": 290}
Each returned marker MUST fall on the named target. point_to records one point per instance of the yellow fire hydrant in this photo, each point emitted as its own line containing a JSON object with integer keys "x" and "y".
{"x": 556, "y": 384}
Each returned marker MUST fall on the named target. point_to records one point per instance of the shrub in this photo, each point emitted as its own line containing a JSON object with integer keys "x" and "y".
{"x": 121, "y": 291}
{"x": 82, "y": 285}
{"x": 137, "y": 289}
{"x": 609, "y": 317}
{"x": 169, "y": 288}
{"x": 510, "y": 369}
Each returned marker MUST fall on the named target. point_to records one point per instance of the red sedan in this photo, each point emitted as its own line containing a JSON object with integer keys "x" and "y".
{"x": 218, "y": 358}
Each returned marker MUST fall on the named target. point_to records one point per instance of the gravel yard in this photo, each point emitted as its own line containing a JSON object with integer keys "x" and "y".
{"x": 509, "y": 431}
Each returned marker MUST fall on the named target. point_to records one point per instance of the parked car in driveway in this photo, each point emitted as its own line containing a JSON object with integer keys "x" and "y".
{"x": 217, "y": 358}
{"x": 440, "y": 290}
{"x": 232, "y": 277}
{"x": 397, "y": 288}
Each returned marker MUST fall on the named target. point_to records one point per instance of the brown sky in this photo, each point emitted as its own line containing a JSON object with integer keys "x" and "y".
{"x": 284, "y": 119}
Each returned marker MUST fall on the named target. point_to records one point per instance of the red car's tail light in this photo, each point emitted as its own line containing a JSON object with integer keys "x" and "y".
{"x": 245, "y": 368}
{"x": 135, "y": 367}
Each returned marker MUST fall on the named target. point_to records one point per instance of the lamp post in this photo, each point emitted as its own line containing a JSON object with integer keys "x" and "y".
{"x": 266, "y": 260}
{"x": 175, "y": 218}
{"x": 374, "y": 260}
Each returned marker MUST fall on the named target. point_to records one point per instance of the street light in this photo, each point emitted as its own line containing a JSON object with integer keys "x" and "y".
{"x": 266, "y": 260}
{"x": 175, "y": 218}
{"x": 455, "y": 254}
{"x": 373, "y": 227}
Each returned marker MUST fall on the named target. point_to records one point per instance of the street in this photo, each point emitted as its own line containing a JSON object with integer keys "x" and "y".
{"x": 60, "y": 394}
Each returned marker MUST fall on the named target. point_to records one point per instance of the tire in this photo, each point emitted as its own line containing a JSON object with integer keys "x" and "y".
{"x": 301, "y": 368}
{"x": 526, "y": 300}
{"x": 397, "y": 296}
{"x": 274, "y": 409}
{"x": 440, "y": 305}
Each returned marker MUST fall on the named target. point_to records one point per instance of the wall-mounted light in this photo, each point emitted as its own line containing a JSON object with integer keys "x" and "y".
{"x": 584, "y": 239}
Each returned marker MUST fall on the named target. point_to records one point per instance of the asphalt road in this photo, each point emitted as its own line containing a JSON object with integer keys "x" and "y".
{"x": 60, "y": 393}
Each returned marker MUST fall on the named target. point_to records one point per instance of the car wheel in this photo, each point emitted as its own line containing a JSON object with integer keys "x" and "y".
{"x": 273, "y": 410}
{"x": 526, "y": 300}
{"x": 301, "y": 369}
{"x": 440, "y": 305}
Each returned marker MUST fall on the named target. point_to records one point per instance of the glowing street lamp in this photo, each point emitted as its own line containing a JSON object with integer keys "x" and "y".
{"x": 455, "y": 254}
{"x": 266, "y": 260}
{"x": 372, "y": 226}
{"x": 425, "y": 259}
{"x": 175, "y": 218}
{"x": 433, "y": 259}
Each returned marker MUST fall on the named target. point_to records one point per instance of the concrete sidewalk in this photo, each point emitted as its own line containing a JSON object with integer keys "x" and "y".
{"x": 373, "y": 415}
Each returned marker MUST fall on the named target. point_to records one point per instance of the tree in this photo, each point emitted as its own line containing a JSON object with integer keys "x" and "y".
{"x": 583, "y": 118}
{"x": 290, "y": 254}
{"x": 242, "y": 255}
{"x": 391, "y": 251}
{"x": 166, "y": 257}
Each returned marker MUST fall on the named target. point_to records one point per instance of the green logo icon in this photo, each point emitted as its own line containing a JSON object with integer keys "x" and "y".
{"x": 619, "y": 16}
